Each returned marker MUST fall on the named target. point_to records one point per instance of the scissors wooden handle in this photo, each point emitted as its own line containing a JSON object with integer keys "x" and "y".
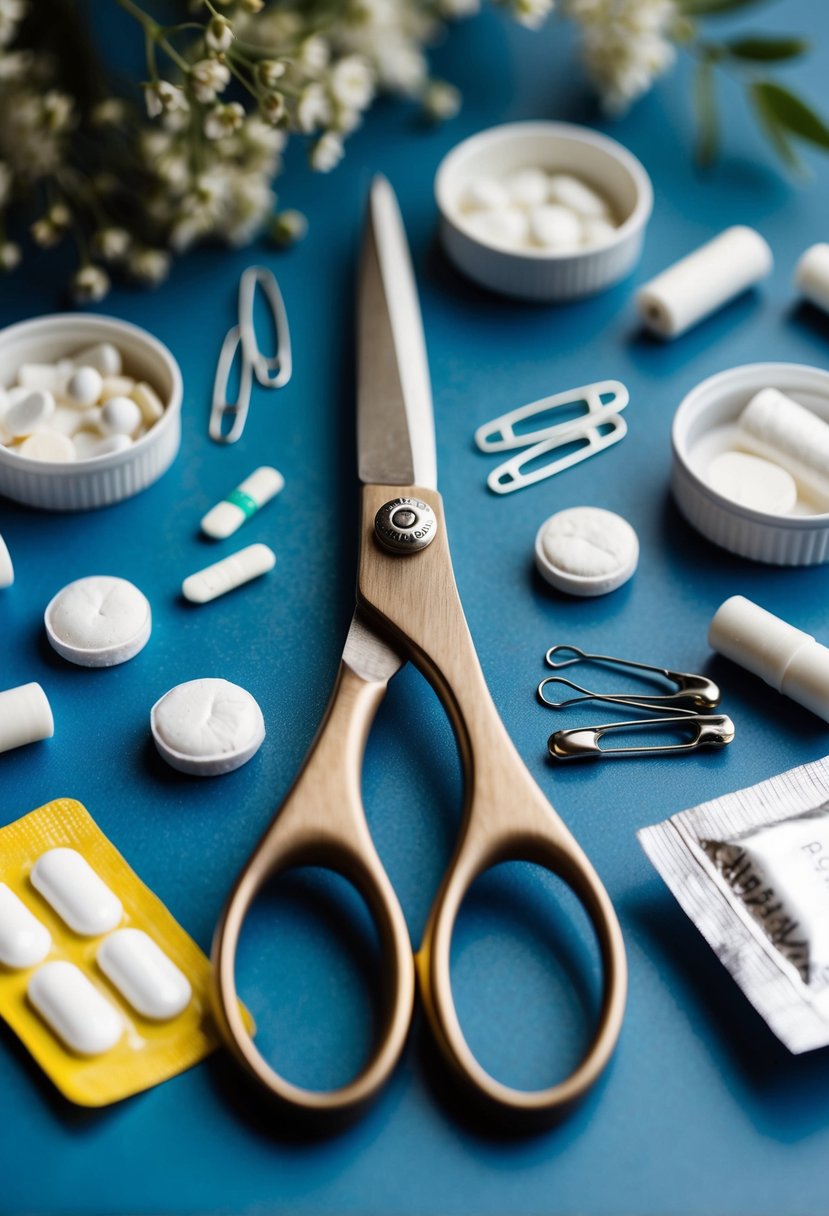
{"x": 506, "y": 816}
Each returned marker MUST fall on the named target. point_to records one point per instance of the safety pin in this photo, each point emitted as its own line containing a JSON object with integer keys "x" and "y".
{"x": 707, "y": 730}
{"x": 499, "y": 435}
{"x": 592, "y": 438}
{"x": 221, "y": 408}
{"x": 272, "y": 371}
{"x": 695, "y": 691}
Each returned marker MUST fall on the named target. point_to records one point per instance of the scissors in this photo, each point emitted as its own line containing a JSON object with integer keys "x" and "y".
{"x": 408, "y": 609}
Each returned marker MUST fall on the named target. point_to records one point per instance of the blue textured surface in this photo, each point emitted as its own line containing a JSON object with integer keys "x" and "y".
{"x": 702, "y": 1110}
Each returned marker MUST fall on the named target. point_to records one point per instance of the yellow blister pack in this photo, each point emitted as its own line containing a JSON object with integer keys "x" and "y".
{"x": 115, "y": 1004}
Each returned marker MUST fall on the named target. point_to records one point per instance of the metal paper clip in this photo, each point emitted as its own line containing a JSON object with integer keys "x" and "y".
{"x": 271, "y": 371}
{"x": 582, "y": 743}
{"x": 589, "y": 441}
{"x": 602, "y": 400}
{"x": 691, "y": 692}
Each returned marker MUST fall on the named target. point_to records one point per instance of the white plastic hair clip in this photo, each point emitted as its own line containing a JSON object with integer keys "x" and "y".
{"x": 592, "y": 403}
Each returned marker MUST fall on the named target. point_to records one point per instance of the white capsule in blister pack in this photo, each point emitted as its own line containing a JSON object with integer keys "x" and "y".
{"x": 144, "y": 975}
{"x": 78, "y": 1013}
{"x": 71, "y": 887}
{"x": 24, "y": 940}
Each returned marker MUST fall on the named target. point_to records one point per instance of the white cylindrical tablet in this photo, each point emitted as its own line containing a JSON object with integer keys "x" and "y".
{"x": 24, "y": 940}
{"x": 788, "y": 659}
{"x": 229, "y": 573}
{"x": 29, "y": 412}
{"x": 116, "y": 386}
{"x": 73, "y": 1008}
{"x": 103, "y": 356}
{"x": 780, "y": 429}
{"x": 144, "y": 975}
{"x": 71, "y": 887}
{"x": 586, "y": 551}
{"x": 98, "y": 621}
{"x": 6, "y": 566}
{"x": 207, "y": 727}
{"x": 227, "y": 517}
{"x": 25, "y": 716}
{"x": 811, "y": 276}
{"x": 752, "y": 482}
{"x": 704, "y": 281}
{"x": 148, "y": 401}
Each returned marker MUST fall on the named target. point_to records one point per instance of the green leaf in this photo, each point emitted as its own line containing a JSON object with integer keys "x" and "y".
{"x": 705, "y": 104}
{"x": 792, "y": 113}
{"x": 759, "y": 49}
{"x": 774, "y": 130}
{"x": 712, "y": 8}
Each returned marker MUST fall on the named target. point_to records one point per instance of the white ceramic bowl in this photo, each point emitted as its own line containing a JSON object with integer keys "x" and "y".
{"x": 96, "y": 482}
{"x": 540, "y": 274}
{"x": 704, "y": 425}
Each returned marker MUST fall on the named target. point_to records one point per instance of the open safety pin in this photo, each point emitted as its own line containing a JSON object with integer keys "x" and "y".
{"x": 582, "y": 743}
{"x": 692, "y": 691}
{"x": 603, "y": 399}
{"x": 591, "y": 435}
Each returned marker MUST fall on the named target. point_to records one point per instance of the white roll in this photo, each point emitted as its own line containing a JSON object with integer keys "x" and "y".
{"x": 704, "y": 281}
{"x": 811, "y": 275}
{"x": 25, "y": 716}
{"x": 788, "y": 659}
{"x": 785, "y": 432}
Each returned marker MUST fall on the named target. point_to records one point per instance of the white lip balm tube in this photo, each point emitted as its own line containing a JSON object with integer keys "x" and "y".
{"x": 786, "y": 658}
{"x": 25, "y": 716}
{"x": 704, "y": 281}
{"x": 785, "y": 432}
{"x": 811, "y": 275}
{"x": 228, "y": 516}
{"x": 229, "y": 573}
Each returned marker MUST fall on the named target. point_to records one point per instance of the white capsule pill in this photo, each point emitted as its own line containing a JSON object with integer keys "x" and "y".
{"x": 596, "y": 232}
{"x": 784, "y": 431}
{"x": 586, "y": 551}
{"x": 227, "y": 517}
{"x": 555, "y": 227}
{"x": 25, "y": 716}
{"x": 109, "y": 444}
{"x": 207, "y": 727}
{"x": 50, "y": 446}
{"x": 483, "y": 194}
{"x": 66, "y": 420}
{"x": 116, "y": 386}
{"x": 84, "y": 386}
{"x": 572, "y": 192}
{"x": 229, "y": 573}
{"x": 144, "y": 975}
{"x": 752, "y": 482}
{"x": 508, "y": 229}
{"x": 103, "y": 356}
{"x": 49, "y": 377}
{"x": 71, "y": 887}
{"x": 24, "y": 941}
{"x": 6, "y": 565}
{"x": 120, "y": 416}
{"x": 527, "y": 187}
{"x": 811, "y": 276}
{"x": 73, "y": 1008}
{"x": 98, "y": 621}
{"x": 148, "y": 401}
{"x": 25, "y": 414}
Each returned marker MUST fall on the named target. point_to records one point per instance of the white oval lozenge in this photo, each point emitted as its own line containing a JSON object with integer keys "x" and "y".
{"x": 507, "y": 228}
{"x": 103, "y": 356}
{"x": 73, "y": 1008}
{"x": 207, "y": 727}
{"x": 555, "y": 227}
{"x": 24, "y": 940}
{"x": 586, "y": 551}
{"x": 51, "y": 446}
{"x": 144, "y": 975}
{"x": 753, "y": 482}
{"x": 527, "y": 187}
{"x": 29, "y": 412}
{"x": 71, "y": 887}
{"x": 98, "y": 621}
{"x": 572, "y": 192}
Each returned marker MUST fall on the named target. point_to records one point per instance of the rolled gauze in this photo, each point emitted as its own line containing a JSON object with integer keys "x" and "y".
{"x": 25, "y": 716}
{"x": 782, "y": 430}
{"x": 703, "y": 281}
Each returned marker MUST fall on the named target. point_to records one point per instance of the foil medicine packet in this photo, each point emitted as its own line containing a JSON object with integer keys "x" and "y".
{"x": 751, "y": 870}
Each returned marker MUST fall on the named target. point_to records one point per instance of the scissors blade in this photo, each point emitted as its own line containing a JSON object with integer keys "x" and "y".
{"x": 395, "y": 424}
{"x": 365, "y": 652}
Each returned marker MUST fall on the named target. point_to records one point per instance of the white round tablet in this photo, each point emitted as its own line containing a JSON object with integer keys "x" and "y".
{"x": 586, "y": 550}
{"x": 753, "y": 482}
{"x": 207, "y": 727}
{"x": 98, "y": 621}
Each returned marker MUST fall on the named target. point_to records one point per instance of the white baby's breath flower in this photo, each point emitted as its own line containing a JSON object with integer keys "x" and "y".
{"x": 252, "y": 6}
{"x": 261, "y": 138}
{"x": 111, "y": 243}
{"x": 313, "y": 109}
{"x": 351, "y": 82}
{"x": 326, "y": 152}
{"x": 14, "y": 65}
{"x": 453, "y": 9}
{"x": 401, "y": 65}
{"x": 272, "y": 106}
{"x": 529, "y": 13}
{"x": 44, "y": 233}
{"x": 149, "y": 266}
{"x": 162, "y": 97}
{"x": 219, "y": 34}
{"x": 626, "y": 45}
{"x": 110, "y": 112}
{"x": 345, "y": 120}
{"x": 10, "y": 255}
{"x": 288, "y": 227}
{"x": 90, "y": 284}
{"x": 441, "y": 100}
{"x": 209, "y": 77}
{"x": 223, "y": 120}
{"x": 269, "y": 72}
{"x": 314, "y": 55}
{"x": 58, "y": 110}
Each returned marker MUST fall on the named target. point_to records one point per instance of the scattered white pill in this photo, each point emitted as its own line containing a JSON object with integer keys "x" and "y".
{"x": 586, "y": 551}
{"x": 84, "y": 386}
{"x": 555, "y": 227}
{"x": 596, "y": 232}
{"x": 483, "y": 194}
{"x": 116, "y": 386}
{"x": 109, "y": 444}
{"x": 24, "y": 941}
{"x": 148, "y": 401}
{"x": 98, "y": 621}
{"x": 49, "y": 377}
{"x": 507, "y": 228}
{"x": 71, "y": 888}
{"x": 85, "y": 444}
{"x": 6, "y": 565}
{"x": 207, "y": 727}
{"x": 66, "y": 420}
{"x": 753, "y": 482}
{"x": 229, "y": 573}
{"x": 527, "y": 187}
{"x": 50, "y": 446}
{"x": 103, "y": 356}
{"x": 572, "y": 192}
{"x": 27, "y": 413}
{"x": 227, "y": 517}
{"x": 74, "y": 1009}
{"x": 144, "y": 975}
{"x": 120, "y": 416}
{"x": 25, "y": 716}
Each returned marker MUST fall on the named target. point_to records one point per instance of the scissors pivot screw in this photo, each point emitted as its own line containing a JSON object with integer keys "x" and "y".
{"x": 405, "y": 525}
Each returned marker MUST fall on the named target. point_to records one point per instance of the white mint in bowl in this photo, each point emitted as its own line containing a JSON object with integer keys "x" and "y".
{"x": 89, "y": 431}
{"x": 543, "y": 210}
